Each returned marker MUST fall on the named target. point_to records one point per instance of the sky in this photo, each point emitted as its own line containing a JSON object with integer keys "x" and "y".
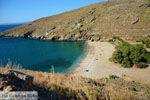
{"x": 18, "y": 11}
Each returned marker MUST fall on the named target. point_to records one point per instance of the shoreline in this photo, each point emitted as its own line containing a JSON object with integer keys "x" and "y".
{"x": 41, "y": 39}
{"x": 83, "y": 64}
{"x": 76, "y": 68}
{"x": 95, "y": 64}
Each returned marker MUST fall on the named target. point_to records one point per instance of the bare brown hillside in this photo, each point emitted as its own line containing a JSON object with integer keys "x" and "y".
{"x": 129, "y": 19}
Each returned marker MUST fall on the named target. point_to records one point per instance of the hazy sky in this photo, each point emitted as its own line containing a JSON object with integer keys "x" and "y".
{"x": 16, "y": 11}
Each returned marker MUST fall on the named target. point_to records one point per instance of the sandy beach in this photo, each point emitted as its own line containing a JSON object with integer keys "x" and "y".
{"x": 96, "y": 64}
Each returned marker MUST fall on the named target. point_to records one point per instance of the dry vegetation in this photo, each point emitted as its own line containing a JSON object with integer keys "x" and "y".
{"x": 125, "y": 18}
{"x": 78, "y": 88}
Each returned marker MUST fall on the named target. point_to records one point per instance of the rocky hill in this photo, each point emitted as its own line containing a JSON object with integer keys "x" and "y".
{"x": 129, "y": 19}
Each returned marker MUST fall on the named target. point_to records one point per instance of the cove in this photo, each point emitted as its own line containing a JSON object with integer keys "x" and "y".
{"x": 41, "y": 55}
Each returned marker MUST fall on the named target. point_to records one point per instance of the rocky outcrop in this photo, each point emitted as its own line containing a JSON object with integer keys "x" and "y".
{"x": 15, "y": 81}
{"x": 28, "y": 34}
{"x": 12, "y": 80}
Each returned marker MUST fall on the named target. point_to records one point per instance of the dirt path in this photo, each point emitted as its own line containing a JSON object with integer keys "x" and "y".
{"x": 96, "y": 64}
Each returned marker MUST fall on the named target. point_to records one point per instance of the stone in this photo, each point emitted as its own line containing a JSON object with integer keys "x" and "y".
{"x": 86, "y": 70}
{"x": 134, "y": 21}
{"x": 1, "y": 79}
{"x": 78, "y": 26}
{"x": 52, "y": 28}
{"x": 7, "y": 89}
{"x": 92, "y": 11}
{"x": 53, "y": 37}
{"x": 77, "y": 36}
{"x": 93, "y": 19}
{"x": 1, "y": 83}
{"x": 42, "y": 37}
{"x": 28, "y": 34}
{"x": 27, "y": 78}
{"x": 68, "y": 37}
{"x": 132, "y": 89}
{"x": 61, "y": 38}
{"x": 95, "y": 38}
{"x": 1, "y": 87}
{"x": 117, "y": 17}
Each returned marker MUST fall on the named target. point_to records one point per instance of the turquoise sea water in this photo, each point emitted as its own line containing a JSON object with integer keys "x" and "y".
{"x": 41, "y": 55}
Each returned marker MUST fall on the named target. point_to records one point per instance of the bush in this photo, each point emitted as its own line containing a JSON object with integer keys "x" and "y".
{"x": 146, "y": 43}
{"x": 111, "y": 40}
{"x": 141, "y": 65}
{"x": 128, "y": 55}
{"x": 118, "y": 38}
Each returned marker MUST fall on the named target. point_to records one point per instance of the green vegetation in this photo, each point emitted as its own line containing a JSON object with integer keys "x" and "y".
{"x": 114, "y": 38}
{"x": 111, "y": 40}
{"x": 146, "y": 43}
{"x": 131, "y": 55}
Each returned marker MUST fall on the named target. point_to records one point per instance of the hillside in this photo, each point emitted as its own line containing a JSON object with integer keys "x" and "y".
{"x": 69, "y": 87}
{"x": 129, "y": 19}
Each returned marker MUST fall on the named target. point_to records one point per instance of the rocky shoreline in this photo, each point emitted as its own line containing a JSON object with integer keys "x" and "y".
{"x": 69, "y": 37}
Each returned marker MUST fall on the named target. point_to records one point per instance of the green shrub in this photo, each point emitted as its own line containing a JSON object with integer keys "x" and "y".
{"x": 111, "y": 40}
{"x": 128, "y": 55}
{"x": 141, "y": 65}
{"x": 146, "y": 43}
{"x": 118, "y": 38}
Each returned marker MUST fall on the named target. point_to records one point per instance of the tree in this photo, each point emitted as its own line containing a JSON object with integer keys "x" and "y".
{"x": 128, "y": 55}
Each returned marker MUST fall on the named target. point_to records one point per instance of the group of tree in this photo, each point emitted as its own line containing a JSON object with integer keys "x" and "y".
{"x": 129, "y": 55}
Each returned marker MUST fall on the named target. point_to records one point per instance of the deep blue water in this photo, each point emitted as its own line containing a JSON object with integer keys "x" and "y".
{"x": 41, "y": 55}
{"x": 6, "y": 27}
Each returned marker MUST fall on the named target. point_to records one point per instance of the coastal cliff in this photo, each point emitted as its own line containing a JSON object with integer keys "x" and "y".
{"x": 128, "y": 19}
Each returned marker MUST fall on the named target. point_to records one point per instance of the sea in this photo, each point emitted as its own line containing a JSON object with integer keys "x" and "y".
{"x": 37, "y": 55}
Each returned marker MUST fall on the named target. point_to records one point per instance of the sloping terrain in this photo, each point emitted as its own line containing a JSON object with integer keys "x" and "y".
{"x": 129, "y": 19}
{"x": 77, "y": 88}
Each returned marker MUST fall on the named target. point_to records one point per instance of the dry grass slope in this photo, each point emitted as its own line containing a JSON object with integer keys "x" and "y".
{"x": 78, "y": 88}
{"x": 125, "y": 18}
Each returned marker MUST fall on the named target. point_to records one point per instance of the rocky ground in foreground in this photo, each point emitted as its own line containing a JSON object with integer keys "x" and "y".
{"x": 72, "y": 87}
{"x": 128, "y": 19}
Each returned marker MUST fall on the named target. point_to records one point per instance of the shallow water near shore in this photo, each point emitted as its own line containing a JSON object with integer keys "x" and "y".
{"x": 41, "y": 55}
